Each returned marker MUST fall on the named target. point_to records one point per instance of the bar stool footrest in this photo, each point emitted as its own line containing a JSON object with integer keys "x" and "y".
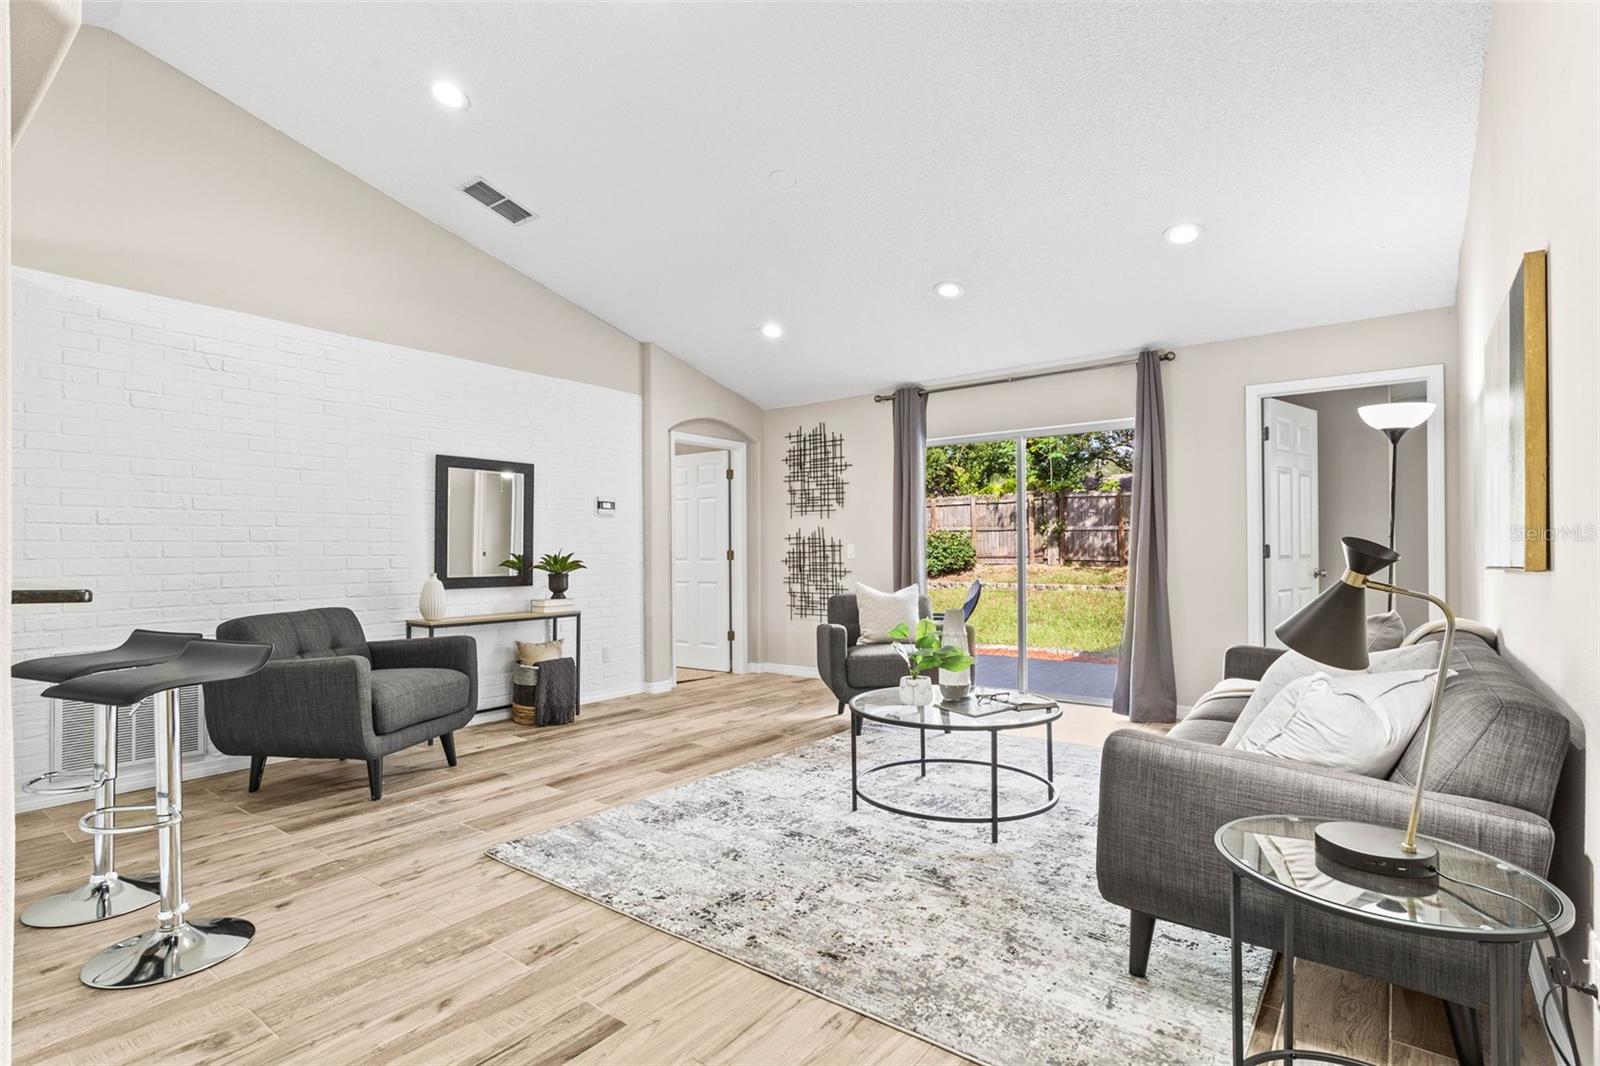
{"x": 63, "y": 783}
{"x": 160, "y": 821}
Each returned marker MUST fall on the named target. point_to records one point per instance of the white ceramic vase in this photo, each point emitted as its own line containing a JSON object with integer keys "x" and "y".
{"x": 916, "y": 691}
{"x": 955, "y": 684}
{"x": 431, "y": 602}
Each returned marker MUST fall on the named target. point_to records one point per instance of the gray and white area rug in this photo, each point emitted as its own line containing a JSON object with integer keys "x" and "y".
{"x": 1003, "y": 953}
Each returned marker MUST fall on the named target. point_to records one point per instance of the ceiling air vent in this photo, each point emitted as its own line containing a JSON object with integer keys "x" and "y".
{"x": 497, "y": 201}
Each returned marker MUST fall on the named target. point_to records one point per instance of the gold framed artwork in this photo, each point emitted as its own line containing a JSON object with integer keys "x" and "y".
{"x": 1516, "y": 473}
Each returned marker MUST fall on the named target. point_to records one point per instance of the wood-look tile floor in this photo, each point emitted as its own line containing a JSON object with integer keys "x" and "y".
{"x": 385, "y": 935}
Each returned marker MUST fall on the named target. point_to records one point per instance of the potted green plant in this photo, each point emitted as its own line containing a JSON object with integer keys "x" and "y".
{"x": 515, "y": 561}
{"x": 558, "y": 565}
{"x": 924, "y": 653}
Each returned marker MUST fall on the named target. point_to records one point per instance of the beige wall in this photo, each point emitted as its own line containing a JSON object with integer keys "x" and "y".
{"x": 863, "y": 521}
{"x": 1204, "y": 392}
{"x": 134, "y": 175}
{"x": 1353, "y": 491}
{"x": 1535, "y": 184}
{"x": 677, "y": 396}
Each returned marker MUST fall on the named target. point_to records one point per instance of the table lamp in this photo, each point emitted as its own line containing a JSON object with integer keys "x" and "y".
{"x": 1332, "y": 630}
{"x": 1394, "y": 420}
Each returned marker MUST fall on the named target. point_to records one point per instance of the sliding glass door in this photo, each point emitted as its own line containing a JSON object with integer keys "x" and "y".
{"x": 1040, "y": 520}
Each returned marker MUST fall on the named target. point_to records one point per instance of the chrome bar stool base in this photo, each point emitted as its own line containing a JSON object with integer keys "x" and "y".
{"x": 156, "y": 957}
{"x": 92, "y": 901}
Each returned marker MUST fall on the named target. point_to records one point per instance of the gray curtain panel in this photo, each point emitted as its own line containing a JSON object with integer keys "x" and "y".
{"x": 1146, "y": 690}
{"x": 910, "y": 462}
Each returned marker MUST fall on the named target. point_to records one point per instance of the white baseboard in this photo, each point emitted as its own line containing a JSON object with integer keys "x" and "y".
{"x": 656, "y": 688}
{"x": 787, "y": 669}
{"x": 137, "y": 777}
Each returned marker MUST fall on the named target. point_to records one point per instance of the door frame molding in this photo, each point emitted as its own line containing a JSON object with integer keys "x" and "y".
{"x": 738, "y": 540}
{"x": 1432, "y": 377}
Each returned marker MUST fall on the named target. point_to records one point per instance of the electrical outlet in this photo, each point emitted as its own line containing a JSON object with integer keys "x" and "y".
{"x": 605, "y": 654}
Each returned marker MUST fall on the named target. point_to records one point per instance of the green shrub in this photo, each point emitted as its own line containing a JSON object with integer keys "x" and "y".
{"x": 950, "y": 551}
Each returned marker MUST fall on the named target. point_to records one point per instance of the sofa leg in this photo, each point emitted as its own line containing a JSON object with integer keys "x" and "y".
{"x": 448, "y": 742}
{"x": 841, "y": 708}
{"x": 375, "y": 777}
{"x": 258, "y": 766}
{"x": 1464, "y": 1033}
{"x": 1141, "y": 928}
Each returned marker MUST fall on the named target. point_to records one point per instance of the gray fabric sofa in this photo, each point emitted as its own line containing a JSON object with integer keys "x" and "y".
{"x": 330, "y": 693}
{"x": 1496, "y": 761}
{"x": 849, "y": 667}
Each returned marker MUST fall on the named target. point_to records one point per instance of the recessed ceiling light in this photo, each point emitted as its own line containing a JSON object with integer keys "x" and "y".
{"x": 950, "y": 290}
{"x": 451, "y": 95}
{"x": 771, "y": 330}
{"x": 1182, "y": 233}
{"x": 782, "y": 179}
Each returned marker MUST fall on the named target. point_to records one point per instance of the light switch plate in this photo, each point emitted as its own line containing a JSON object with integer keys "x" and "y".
{"x": 849, "y": 551}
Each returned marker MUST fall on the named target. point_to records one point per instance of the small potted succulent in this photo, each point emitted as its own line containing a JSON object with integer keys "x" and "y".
{"x": 924, "y": 654}
{"x": 558, "y": 565}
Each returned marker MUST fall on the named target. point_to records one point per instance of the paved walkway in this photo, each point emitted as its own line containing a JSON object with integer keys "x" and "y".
{"x": 1069, "y": 679}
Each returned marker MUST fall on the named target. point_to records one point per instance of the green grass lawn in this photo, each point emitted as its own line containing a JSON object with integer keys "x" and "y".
{"x": 1058, "y": 619}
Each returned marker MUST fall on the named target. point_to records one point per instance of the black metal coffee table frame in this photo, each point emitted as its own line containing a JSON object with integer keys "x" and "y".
{"x": 994, "y": 726}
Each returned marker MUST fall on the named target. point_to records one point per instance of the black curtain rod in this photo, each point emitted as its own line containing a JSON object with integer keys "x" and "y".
{"x": 1124, "y": 360}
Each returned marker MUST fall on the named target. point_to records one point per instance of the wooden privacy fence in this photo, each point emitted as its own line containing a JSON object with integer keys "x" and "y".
{"x": 1063, "y": 527}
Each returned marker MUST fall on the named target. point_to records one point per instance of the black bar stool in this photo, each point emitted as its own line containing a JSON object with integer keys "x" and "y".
{"x": 178, "y": 946}
{"x": 106, "y": 894}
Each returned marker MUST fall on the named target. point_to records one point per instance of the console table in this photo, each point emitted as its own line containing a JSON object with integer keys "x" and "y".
{"x": 552, "y": 632}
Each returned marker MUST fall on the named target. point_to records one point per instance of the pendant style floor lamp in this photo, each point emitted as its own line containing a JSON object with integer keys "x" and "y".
{"x": 1332, "y": 629}
{"x": 1394, "y": 420}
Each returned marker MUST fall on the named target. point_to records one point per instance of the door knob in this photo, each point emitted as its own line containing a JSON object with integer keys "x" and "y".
{"x": 1319, "y": 573}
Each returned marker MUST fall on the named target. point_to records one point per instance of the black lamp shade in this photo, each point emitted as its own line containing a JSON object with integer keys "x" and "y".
{"x": 1332, "y": 629}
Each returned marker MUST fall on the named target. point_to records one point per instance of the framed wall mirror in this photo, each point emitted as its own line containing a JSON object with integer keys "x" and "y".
{"x": 482, "y": 514}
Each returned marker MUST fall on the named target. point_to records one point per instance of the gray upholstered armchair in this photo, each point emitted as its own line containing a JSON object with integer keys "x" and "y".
{"x": 329, "y": 693}
{"x": 849, "y": 667}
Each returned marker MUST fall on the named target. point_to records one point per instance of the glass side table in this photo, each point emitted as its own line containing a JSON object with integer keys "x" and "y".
{"x": 1477, "y": 898}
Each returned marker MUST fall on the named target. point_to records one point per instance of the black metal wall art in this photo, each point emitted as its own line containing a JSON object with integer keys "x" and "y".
{"x": 813, "y": 565}
{"x": 816, "y": 466}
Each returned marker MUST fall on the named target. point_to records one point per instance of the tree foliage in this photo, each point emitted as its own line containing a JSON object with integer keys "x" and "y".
{"x": 950, "y": 551}
{"x": 1071, "y": 462}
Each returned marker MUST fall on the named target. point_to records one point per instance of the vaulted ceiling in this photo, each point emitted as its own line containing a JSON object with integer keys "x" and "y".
{"x": 702, "y": 169}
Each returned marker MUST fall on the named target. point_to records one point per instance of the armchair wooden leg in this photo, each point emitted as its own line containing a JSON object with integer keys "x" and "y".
{"x": 1141, "y": 929}
{"x": 841, "y": 708}
{"x": 258, "y": 766}
{"x": 448, "y": 742}
{"x": 375, "y": 777}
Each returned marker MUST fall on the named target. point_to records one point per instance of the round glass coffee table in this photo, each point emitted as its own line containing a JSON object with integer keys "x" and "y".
{"x": 1475, "y": 897}
{"x": 883, "y": 706}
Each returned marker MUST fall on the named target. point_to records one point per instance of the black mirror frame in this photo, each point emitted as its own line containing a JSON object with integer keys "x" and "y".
{"x": 441, "y": 505}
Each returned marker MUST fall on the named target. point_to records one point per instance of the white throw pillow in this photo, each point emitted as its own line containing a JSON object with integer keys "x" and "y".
{"x": 1357, "y": 722}
{"x": 1291, "y": 666}
{"x": 1385, "y": 632}
{"x": 882, "y": 611}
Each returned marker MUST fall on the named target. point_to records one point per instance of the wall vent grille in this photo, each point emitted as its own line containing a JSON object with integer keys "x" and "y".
{"x": 497, "y": 201}
{"x": 73, "y": 732}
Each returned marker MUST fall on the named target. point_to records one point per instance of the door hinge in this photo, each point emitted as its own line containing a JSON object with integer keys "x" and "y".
{"x": 730, "y": 473}
{"x": 730, "y": 555}
{"x": 730, "y": 636}
{"x": 1266, "y": 551}
{"x": 1266, "y": 432}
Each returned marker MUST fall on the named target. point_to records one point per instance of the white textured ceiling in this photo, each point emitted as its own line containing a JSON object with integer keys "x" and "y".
{"x": 1035, "y": 153}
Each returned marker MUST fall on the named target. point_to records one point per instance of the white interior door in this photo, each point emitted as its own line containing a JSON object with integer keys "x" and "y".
{"x": 1289, "y": 531}
{"x": 700, "y": 569}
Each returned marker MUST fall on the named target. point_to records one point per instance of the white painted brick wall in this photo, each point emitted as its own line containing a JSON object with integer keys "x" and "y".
{"x": 191, "y": 465}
